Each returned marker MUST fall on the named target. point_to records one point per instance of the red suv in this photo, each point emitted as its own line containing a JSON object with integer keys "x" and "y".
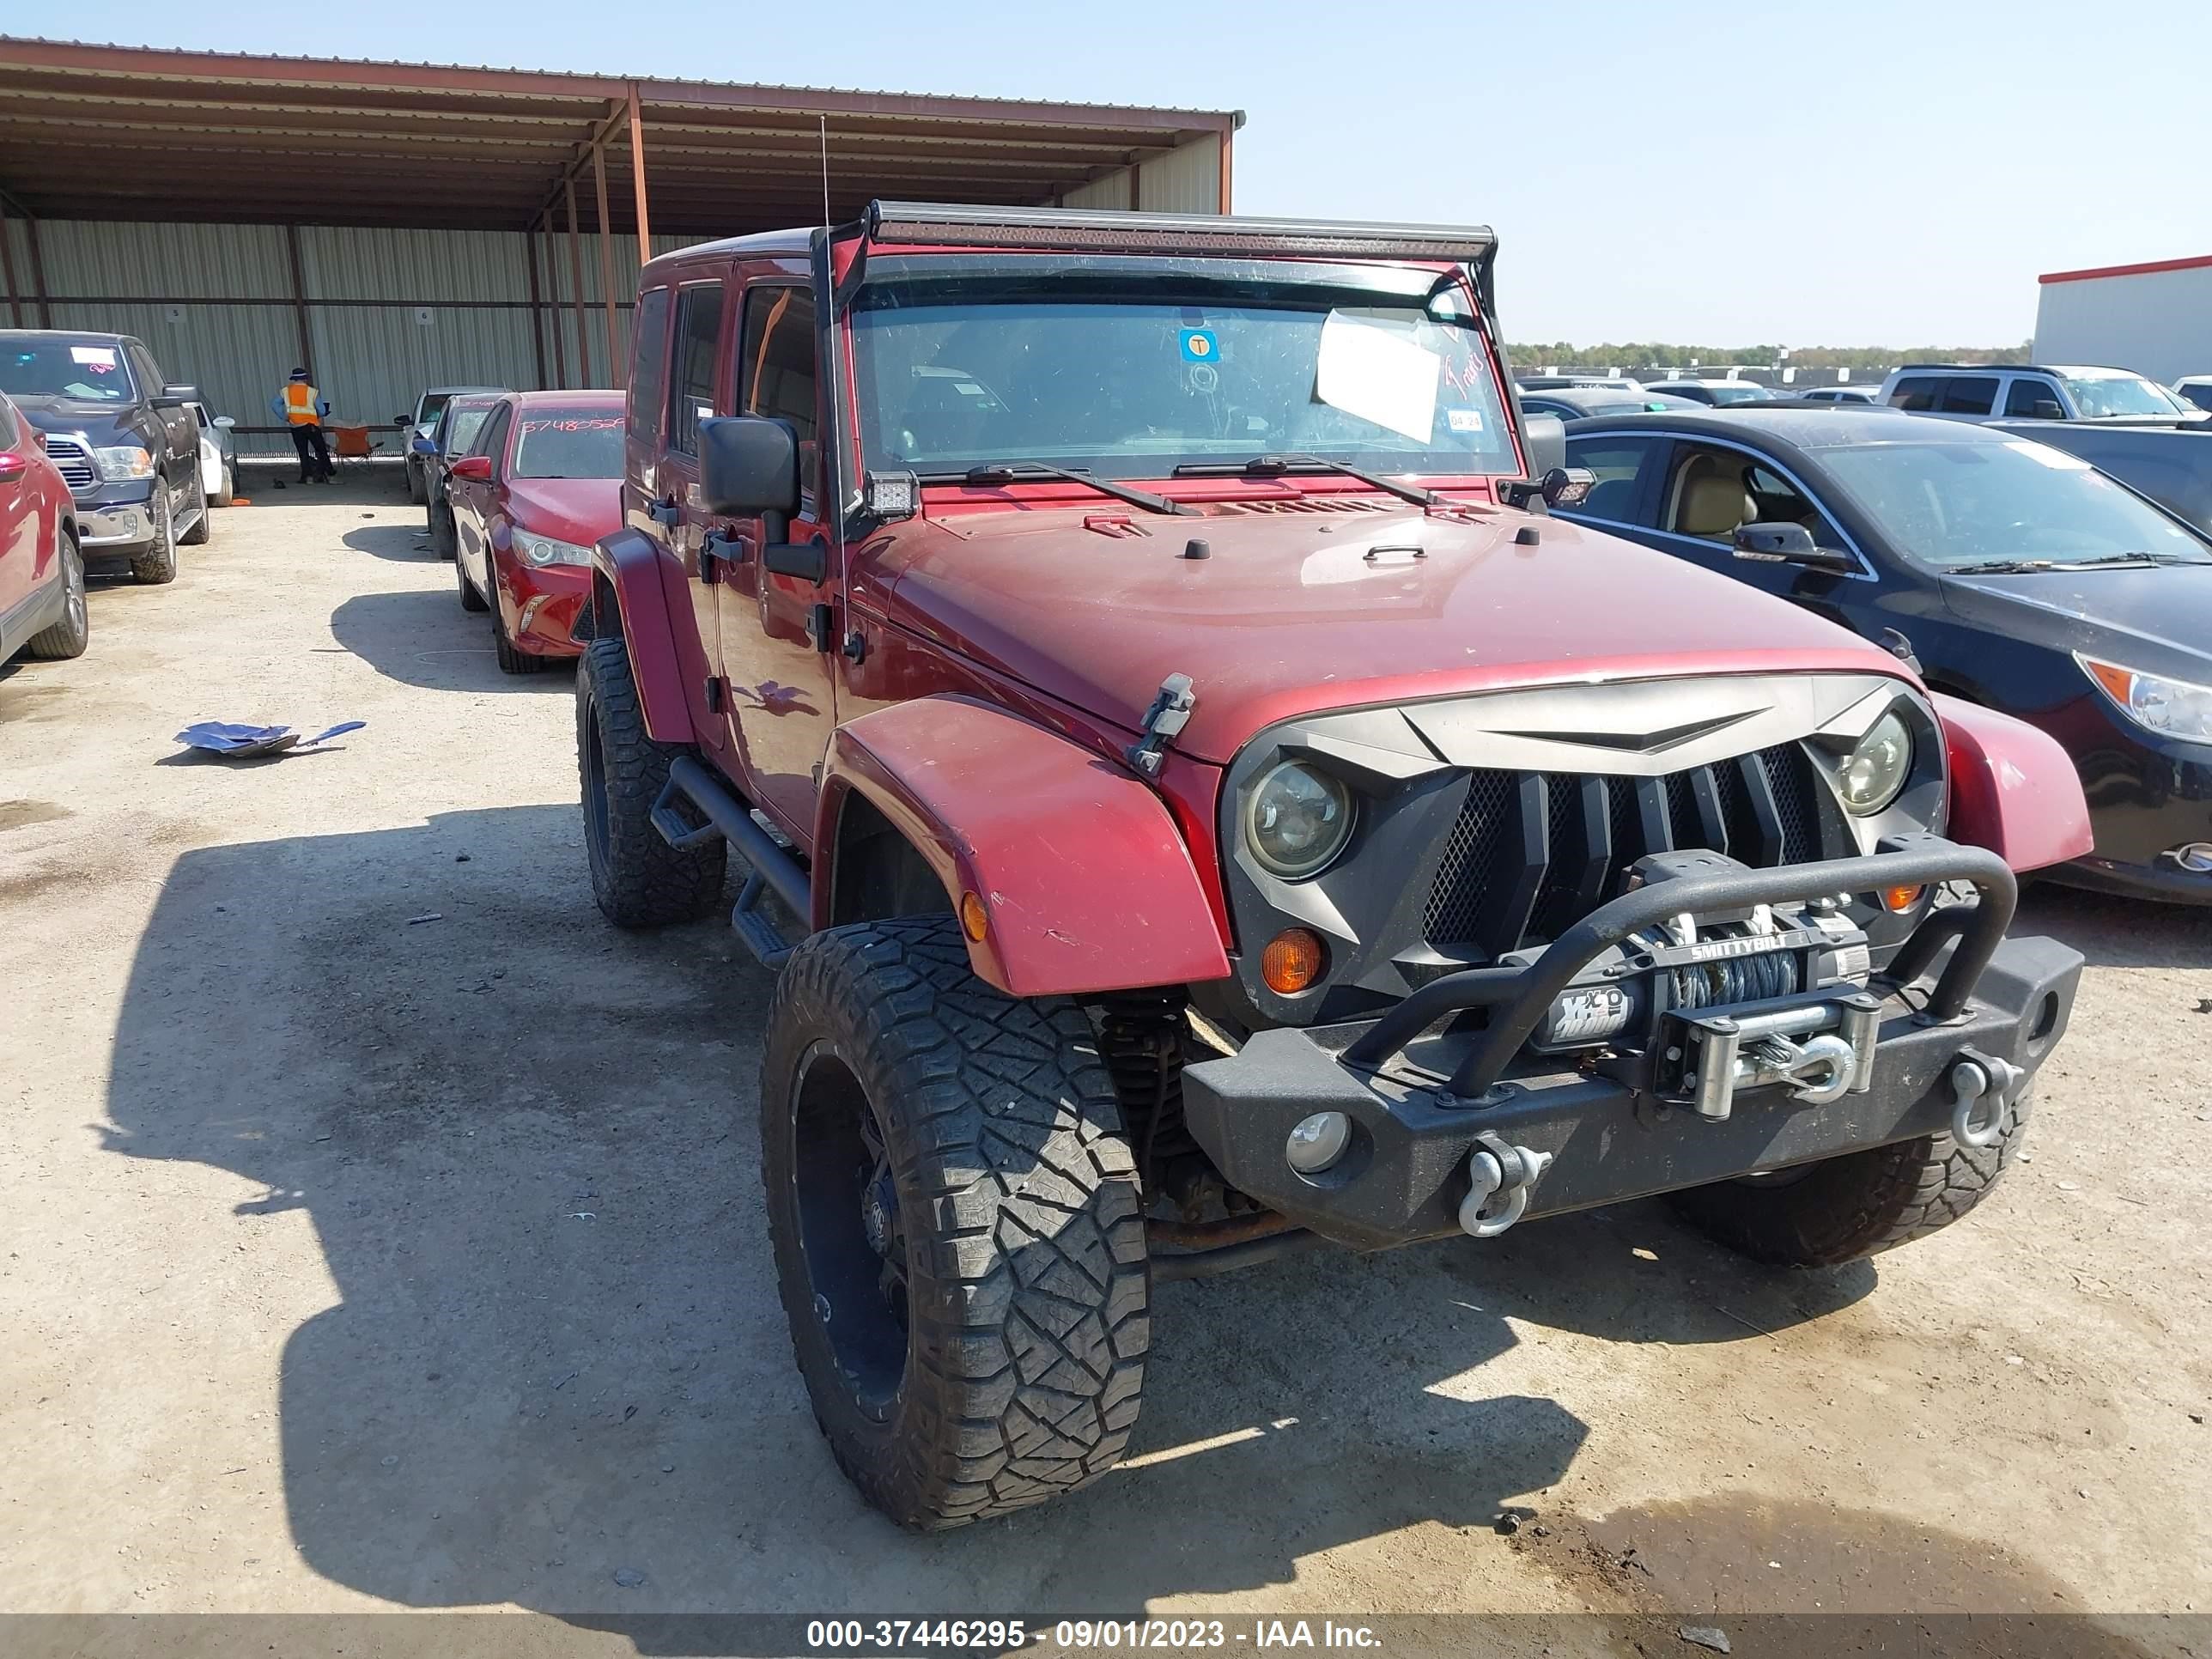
{"x": 541, "y": 484}
{"x": 1221, "y": 810}
{"x": 42, "y": 608}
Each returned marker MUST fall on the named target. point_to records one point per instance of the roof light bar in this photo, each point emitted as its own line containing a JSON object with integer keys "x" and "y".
{"x": 922, "y": 224}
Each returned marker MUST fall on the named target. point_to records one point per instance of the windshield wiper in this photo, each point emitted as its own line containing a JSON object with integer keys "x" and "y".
{"x": 1004, "y": 472}
{"x": 1275, "y": 466}
{"x": 2102, "y": 561}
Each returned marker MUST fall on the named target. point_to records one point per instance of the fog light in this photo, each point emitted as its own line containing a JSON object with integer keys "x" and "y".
{"x": 2195, "y": 856}
{"x": 1318, "y": 1142}
{"x": 1293, "y": 961}
{"x": 1900, "y": 899}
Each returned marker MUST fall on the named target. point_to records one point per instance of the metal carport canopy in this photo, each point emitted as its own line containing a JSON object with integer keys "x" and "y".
{"x": 130, "y": 133}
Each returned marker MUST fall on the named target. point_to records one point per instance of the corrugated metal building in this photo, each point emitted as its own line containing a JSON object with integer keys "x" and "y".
{"x": 2155, "y": 318}
{"x": 400, "y": 226}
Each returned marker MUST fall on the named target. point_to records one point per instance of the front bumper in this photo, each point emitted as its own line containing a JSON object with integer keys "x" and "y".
{"x": 1421, "y": 1107}
{"x": 116, "y": 518}
{"x": 2148, "y": 797}
{"x": 540, "y": 603}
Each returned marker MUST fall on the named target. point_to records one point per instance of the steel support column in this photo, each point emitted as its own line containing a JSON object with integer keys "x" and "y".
{"x": 299, "y": 299}
{"x": 606, "y": 257}
{"x": 8, "y": 270}
{"x": 537, "y": 307}
{"x": 637, "y": 178}
{"x": 576, "y": 297}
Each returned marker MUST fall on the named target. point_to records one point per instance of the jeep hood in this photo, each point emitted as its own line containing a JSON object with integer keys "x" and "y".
{"x": 1293, "y": 612}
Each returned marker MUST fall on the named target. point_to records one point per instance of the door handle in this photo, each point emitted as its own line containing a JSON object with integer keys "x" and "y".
{"x": 719, "y": 547}
{"x": 809, "y": 560}
{"x": 665, "y": 512}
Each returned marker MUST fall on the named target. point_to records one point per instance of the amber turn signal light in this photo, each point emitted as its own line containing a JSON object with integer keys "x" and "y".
{"x": 975, "y": 920}
{"x": 1900, "y": 899}
{"x": 1293, "y": 961}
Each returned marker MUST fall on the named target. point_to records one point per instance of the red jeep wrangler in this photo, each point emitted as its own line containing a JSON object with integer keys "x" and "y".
{"x": 1223, "y": 811}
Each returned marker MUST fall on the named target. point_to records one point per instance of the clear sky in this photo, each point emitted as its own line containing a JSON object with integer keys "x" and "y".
{"x": 1794, "y": 171}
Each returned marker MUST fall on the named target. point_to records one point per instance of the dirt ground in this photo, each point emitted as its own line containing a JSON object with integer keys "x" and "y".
{"x": 379, "y": 1229}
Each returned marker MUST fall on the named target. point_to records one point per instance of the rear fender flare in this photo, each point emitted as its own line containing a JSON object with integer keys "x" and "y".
{"x": 1087, "y": 883}
{"x": 626, "y": 576}
{"x": 2014, "y": 790}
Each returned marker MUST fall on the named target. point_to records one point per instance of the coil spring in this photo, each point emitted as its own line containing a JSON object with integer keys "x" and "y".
{"x": 1735, "y": 979}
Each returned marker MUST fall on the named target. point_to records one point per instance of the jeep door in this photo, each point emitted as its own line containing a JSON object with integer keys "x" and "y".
{"x": 779, "y": 690}
{"x": 696, "y": 378}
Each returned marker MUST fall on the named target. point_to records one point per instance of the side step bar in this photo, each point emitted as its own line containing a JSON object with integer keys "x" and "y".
{"x": 769, "y": 866}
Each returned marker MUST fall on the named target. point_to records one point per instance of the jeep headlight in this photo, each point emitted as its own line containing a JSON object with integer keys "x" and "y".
{"x": 2172, "y": 709}
{"x": 1876, "y": 771}
{"x": 545, "y": 550}
{"x": 1297, "y": 820}
{"x": 121, "y": 462}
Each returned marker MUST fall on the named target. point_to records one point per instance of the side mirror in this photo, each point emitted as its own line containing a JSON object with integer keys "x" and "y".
{"x": 1787, "y": 544}
{"x": 2045, "y": 409}
{"x": 401, "y": 419}
{"x": 472, "y": 469}
{"x": 423, "y": 446}
{"x": 226, "y": 422}
{"x": 1544, "y": 438}
{"x": 749, "y": 469}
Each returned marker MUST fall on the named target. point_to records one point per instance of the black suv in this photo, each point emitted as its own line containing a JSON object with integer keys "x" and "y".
{"x": 126, "y": 441}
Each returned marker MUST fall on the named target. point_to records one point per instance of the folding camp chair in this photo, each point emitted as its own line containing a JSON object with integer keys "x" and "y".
{"x": 352, "y": 443}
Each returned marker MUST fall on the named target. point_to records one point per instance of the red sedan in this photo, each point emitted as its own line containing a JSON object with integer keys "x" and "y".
{"x": 541, "y": 484}
{"x": 42, "y": 609}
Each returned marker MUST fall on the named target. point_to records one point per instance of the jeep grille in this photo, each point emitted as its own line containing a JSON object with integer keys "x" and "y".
{"x": 1531, "y": 854}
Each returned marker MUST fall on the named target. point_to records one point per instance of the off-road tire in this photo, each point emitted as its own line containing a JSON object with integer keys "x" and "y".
{"x": 1857, "y": 1204}
{"x": 157, "y": 565}
{"x": 637, "y": 879}
{"x": 1027, "y": 1310}
{"x": 470, "y": 599}
{"x": 204, "y": 525}
{"x": 69, "y": 634}
{"x": 512, "y": 659}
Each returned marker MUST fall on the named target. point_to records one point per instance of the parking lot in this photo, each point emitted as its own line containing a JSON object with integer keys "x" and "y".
{"x": 384, "y": 1230}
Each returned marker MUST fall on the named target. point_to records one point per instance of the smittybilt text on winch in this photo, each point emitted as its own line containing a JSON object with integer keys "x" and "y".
{"x": 1225, "y": 812}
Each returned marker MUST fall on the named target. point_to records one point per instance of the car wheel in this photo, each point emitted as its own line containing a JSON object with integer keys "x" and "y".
{"x": 69, "y": 634}
{"x": 638, "y": 880}
{"x": 512, "y": 659}
{"x": 226, "y": 491}
{"x": 470, "y": 599}
{"x": 443, "y": 536}
{"x": 959, "y": 1241}
{"x": 202, "y": 524}
{"x": 1842, "y": 1208}
{"x": 415, "y": 491}
{"x": 158, "y": 563}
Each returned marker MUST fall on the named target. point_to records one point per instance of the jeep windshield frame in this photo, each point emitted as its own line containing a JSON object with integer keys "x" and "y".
{"x": 1128, "y": 367}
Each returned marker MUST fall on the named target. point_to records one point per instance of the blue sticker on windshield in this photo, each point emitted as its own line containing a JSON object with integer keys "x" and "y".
{"x": 1199, "y": 345}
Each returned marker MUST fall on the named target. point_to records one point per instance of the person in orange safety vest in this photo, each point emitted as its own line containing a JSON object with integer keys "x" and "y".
{"x": 303, "y": 409}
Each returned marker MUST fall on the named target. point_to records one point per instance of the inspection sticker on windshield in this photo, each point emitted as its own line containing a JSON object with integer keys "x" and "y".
{"x": 1464, "y": 420}
{"x": 1199, "y": 345}
{"x": 93, "y": 356}
{"x": 1378, "y": 375}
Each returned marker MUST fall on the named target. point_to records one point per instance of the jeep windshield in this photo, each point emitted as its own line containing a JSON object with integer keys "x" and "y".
{"x": 89, "y": 372}
{"x": 1128, "y": 367}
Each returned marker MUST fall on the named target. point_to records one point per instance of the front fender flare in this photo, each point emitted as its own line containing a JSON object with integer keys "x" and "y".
{"x": 628, "y": 563}
{"x": 2014, "y": 790}
{"x": 1087, "y": 883}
